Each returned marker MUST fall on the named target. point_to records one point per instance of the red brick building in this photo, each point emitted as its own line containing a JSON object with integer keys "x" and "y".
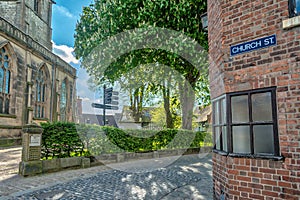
{"x": 255, "y": 90}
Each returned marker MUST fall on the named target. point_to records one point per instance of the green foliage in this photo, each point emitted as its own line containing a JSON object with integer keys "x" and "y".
{"x": 158, "y": 116}
{"x": 150, "y": 140}
{"x": 103, "y": 20}
{"x": 65, "y": 139}
{"x": 60, "y": 139}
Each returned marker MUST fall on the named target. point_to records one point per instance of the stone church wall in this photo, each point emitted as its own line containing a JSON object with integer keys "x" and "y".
{"x": 27, "y": 58}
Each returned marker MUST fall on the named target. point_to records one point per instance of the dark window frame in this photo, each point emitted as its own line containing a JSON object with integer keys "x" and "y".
{"x": 276, "y": 154}
{"x": 219, "y": 125}
{"x": 292, "y": 7}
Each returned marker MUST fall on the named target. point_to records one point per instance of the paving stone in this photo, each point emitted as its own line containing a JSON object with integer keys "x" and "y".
{"x": 189, "y": 177}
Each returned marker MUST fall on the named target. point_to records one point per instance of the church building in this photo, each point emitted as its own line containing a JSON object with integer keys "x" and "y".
{"x": 35, "y": 84}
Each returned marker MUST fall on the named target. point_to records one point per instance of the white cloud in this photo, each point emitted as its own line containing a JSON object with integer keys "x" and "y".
{"x": 85, "y": 99}
{"x": 63, "y": 11}
{"x": 65, "y": 52}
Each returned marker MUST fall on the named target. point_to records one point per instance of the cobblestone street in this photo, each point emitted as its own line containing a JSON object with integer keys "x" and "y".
{"x": 188, "y": 177}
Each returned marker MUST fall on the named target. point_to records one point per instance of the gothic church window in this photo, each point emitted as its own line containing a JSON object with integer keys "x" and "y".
{"x": 40, "y": 97}
{"x": 63, "y": 100}
{"x": 71, "y": 94}
{"x": 5, "y": 76}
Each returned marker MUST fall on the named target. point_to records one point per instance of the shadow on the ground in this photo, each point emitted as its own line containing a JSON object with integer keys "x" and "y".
{"x": 189, "y": 177}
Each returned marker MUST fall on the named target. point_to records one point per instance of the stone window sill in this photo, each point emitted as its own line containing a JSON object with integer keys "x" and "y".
{"x": 291, "y": 22}
{"x": 40, "y": 119}
{"x": 251, "y": 156}
{"x": 8, "y": 116}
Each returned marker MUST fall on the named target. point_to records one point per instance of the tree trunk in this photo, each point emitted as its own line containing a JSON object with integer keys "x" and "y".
{"x": 166, "y": 97}
{"x": 187, "y": 99}
{"x": 136, "y": 100}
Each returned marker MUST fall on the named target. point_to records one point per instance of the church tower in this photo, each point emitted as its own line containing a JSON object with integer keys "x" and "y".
{"x": 33, "y": 17}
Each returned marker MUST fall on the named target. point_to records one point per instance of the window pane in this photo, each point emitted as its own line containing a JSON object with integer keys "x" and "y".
{"x": 43, "y": 93}
{"x": 39, "y": 111}
{"x": 63, "y": 101}
{"x": 35, "y": 111}
{"x": 263, "y": 139}
{"x": 6, "y": 65}
{"x": 7, "y": 82}
{"x": 1, "y": 79}
{"x": 216, "y": 112}
{"x": 241, "y": 139}
{"x": 262, "y": 107}
{"x": 298, "y": 6}
{"x": 6, "y": 111}
{"x": 240, "y": 109}
{"x": 217, "y": 138}
{"x": 1, "y": 105}
{"x": 39, "y": 92}
{"x": 224, "y": 137}
{"x": 43, "y": 114}
{"x": 223, "y": 111}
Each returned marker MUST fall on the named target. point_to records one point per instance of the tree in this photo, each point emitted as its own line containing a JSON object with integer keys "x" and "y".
{"x": 106, "y": 18}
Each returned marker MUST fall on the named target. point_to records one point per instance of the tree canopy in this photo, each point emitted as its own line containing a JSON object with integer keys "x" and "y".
{"x": 106, "y": 24}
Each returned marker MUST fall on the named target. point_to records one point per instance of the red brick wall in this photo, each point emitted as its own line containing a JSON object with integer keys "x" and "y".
{"x": 236, "y": 21}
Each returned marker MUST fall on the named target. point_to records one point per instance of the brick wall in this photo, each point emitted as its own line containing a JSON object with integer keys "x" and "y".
{"x": 232, "y": 22}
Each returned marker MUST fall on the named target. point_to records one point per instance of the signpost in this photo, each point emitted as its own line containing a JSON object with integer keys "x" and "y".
{"x": 109, "y": 97}
{"x": 101, "y": 106}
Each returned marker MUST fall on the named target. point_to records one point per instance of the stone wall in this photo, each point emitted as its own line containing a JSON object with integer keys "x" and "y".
{"x": 39, "y": 24}
{"x": 9, "y": 10}
{"x": 22, "y": 15}
{"x": 234, "y": 22}
{"x": 27, "y": 56}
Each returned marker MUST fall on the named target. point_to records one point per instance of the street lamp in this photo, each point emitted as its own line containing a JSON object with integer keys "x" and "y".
{"x": 204, "y": 21}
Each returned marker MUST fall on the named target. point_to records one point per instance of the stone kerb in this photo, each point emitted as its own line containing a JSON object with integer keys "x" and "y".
{"x": 128, "y": 156}
{"x": 57, "y": 164}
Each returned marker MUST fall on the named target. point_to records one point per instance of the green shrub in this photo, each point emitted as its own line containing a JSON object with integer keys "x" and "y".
{"x": 60, "y": 139}
{"x": 65, "y": 139}
{"x": 142, "y": 140}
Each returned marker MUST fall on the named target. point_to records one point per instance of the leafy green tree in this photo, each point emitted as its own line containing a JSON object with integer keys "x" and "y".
{"x": 106, "y": 18}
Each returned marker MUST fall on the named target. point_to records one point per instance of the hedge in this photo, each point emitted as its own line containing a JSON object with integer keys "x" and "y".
{"x": 64, "y": 139}
{"x": 60, "y": 139}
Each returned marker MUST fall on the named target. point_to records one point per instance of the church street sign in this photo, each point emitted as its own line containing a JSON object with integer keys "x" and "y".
{"x": 253, "y": 45}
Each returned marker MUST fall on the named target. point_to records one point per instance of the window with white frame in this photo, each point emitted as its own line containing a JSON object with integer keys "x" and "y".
{"x": 249, "y": 124}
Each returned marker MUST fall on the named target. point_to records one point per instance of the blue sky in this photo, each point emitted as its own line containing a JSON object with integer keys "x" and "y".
{"x": 65, "y": 15}
{"x": 64, "y": 18}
